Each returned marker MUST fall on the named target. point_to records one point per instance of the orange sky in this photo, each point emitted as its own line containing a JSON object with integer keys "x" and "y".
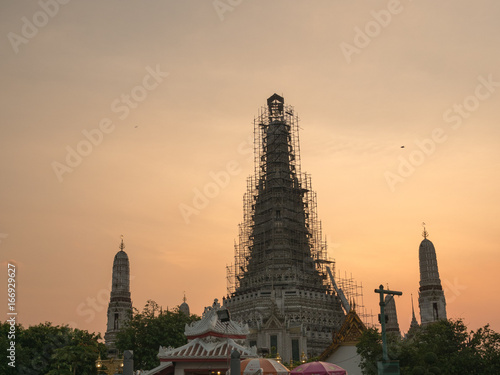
{"x": 168, "y": 91}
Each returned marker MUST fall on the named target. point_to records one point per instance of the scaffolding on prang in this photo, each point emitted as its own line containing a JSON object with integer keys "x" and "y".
{"x": 277, "y": 158}
{"x": 262, "y": 144}
{"x": 354, "y": 294}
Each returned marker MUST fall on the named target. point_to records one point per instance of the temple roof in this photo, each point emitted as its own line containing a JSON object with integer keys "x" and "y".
{"x": 200, "y": 349}
{"x": 210, "y": 339}
{"x": 210, "y": 325}
{"x": 349, "y": 333}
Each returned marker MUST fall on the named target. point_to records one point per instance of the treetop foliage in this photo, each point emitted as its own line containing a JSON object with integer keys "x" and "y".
{"x": 444, "y": 347}
{"x": 51, "y": 350}
{"x": 149, "y": 329}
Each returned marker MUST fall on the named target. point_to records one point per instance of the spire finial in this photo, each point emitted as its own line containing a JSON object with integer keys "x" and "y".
{"x": 412, "y": 309}
{"x": 425, "y": 234}
{"x": 184, "y": 299}
{"x": 122, "y": 245}
{"x": 414, "y": 322}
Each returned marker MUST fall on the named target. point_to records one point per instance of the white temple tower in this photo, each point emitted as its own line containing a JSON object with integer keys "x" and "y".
{"x": 431, "y": 296}
{"x": 120, "y": 304}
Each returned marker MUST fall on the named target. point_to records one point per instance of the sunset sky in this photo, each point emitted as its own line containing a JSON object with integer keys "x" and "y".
{"x": 166, "y": 91}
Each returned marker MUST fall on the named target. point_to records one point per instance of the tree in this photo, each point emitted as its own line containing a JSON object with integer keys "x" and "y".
{"x": 440, "y": 347}
{"x": 145, "y": 332}
{"x": 485, "y": 344}
{"x": 78, "y": 356}
{"x": 370, "y": 349}
{"x": 55, "y": 350}
{"x": 444, "y": 347}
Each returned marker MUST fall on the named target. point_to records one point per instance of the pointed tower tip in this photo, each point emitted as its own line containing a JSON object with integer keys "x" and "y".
{"x": 412, "y": 309}
{"x": 414, "y": 322}
{"x": 122, "y": 245}
{"x": 275, "y": 98}
{"x": 425, "y": 234}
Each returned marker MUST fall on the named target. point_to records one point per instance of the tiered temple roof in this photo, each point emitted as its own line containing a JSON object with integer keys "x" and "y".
{"x": 210, "y": 339}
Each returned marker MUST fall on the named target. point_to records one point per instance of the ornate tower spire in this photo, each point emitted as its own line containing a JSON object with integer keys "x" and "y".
{"x": 431, "y": 296}
{"x": 184, "y": 307}
{"x": 414, "y": 322}
{"x": 279, "y": 280}
{"x": 120, "y": 303}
